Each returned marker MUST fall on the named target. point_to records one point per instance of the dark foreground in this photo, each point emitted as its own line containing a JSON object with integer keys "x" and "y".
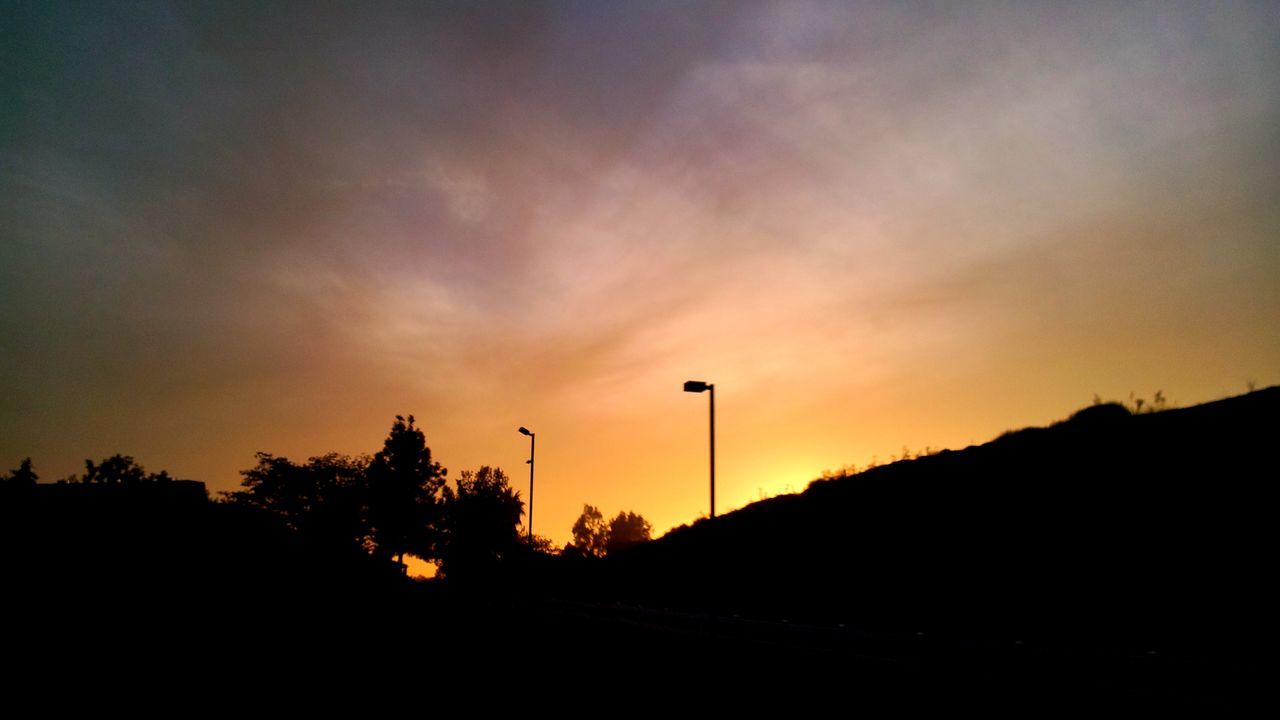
{"x": 1109, "y": 562}
{"x": 357, "y": 643}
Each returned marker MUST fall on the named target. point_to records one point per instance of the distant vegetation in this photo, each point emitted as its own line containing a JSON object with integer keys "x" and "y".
{"x": 22, "y": 476}
{"x": 393, "y": 503}
{"x": 594, "y": 538}
{"x": 115, "y": 470}
{"x": 1138, "y": 404}
{"x": 1135, "y": 405}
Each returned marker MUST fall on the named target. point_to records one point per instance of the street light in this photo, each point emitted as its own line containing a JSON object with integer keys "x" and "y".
{"x": 697, "y": 386}
{"x": 532, "y": 440}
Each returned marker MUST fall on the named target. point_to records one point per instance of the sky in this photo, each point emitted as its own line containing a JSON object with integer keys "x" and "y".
{"x": 238, "y": 227}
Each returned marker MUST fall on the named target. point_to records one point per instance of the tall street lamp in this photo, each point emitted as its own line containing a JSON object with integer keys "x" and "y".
{"x": 697, "y": 386}
{"x": 532, "y": 440}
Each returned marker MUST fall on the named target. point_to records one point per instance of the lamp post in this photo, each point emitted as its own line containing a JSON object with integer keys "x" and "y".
{"x": 532, "y": 440}
{"x": 697, "y": 386}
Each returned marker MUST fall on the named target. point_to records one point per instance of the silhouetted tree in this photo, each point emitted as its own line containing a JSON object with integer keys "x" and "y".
{"x": 337, "y": 518}
{"x": 275, "y": 485}
{"x": 594, "y": 537}
{"x": 23, "y": 476}
{"x": 590, "y": 533}
{"x": 625, "y": 530}
{"x": 323, "y": 500}
{"x": 120, "y": 470}
{"x": 404, "y": 494}
{"x": 542, "y": 544}
{"x": 481, "y": 516}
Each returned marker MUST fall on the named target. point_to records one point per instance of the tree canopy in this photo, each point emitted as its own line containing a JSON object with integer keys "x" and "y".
{"x": 323, "y": 499}
{"x": 590, "y": 534}
{"x": 22, "y": 476}
{"x": 625, "y": 530}
{"x": 119, "y": 469}
{"x": 388, "y": 504}
{"x": 593, "y": 537}
{"x": 481, "y": 528}
{"x": 404, "y": 494}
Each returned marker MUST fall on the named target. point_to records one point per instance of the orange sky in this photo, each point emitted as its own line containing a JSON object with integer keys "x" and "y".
{"x": 234, "y": 229}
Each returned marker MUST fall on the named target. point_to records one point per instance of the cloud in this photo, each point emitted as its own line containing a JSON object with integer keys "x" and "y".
{"x": 578, "y": 202}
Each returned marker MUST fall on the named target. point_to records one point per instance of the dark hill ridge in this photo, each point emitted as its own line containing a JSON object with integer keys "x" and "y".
{"x": 1141, "y": 531}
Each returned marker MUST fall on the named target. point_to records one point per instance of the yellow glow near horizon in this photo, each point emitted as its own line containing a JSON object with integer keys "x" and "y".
{"x": 870, "y": 225}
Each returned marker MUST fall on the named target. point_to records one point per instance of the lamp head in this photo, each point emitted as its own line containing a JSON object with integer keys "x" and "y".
{"x": 525, "y": 431}
{"x": 696, "y": 386}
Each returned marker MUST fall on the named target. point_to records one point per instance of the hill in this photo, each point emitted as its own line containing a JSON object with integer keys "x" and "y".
{"x": 1138, "y": 532}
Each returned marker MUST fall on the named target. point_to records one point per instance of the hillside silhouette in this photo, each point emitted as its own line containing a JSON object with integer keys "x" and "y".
{"x": 1149, "y": 533}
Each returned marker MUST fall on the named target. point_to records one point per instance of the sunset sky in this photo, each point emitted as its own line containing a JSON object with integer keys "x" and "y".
{"x": 233, "y": 227}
